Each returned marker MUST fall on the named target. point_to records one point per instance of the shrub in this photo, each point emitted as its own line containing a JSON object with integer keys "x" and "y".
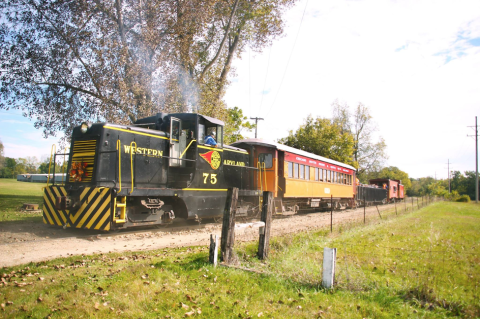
{"x": 463, "y": 198}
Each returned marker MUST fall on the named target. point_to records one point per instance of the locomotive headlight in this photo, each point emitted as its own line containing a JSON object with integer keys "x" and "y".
{"x": 84, "y": 127}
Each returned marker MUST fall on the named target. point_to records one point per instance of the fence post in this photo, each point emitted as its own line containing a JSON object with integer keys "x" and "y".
{"x": 328, "y": 275}
{"x": 264, "y": 240}
{"x": 331, "y": 213}
{"x": 364, "y": 205}
{"x": 228, "y": 226}
{"x": 213, "y": 253}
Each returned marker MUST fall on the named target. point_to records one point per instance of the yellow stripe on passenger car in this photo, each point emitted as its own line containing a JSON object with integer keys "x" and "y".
{"x": 205, "y": 189}
{"x": 134, "y": 132}
{"x": 211, "y": 148}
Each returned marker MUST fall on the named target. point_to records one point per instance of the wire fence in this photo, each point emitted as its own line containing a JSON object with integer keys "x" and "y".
{"x": 437, "y": 274}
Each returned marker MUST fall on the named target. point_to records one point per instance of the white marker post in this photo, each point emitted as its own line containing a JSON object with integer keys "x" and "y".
{"x": 329, "y": 256}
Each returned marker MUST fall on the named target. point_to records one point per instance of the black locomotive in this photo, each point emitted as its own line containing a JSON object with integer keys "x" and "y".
{"x": 157, "y": 169}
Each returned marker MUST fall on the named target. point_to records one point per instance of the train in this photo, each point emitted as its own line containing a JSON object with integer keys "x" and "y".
{"x": 161, "y": 168}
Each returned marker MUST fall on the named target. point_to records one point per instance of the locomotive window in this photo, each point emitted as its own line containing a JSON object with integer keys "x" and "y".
{"x": 175, "y": 130}
{"x": 295, "y": 171}
{"x": 267, "y": 159}
{"x": 307, "y": 173}
{"x": 219, "y": 137}
{"x": 302, "y": 175}
{"x": 201, "y": 134}
{"x": 290, "y": 169}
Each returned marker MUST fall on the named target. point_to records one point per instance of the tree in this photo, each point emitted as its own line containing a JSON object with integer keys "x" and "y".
{"x": 235, "y": 125}
{"x": 323, "y": 137}
{"x": 369, "y": 154}
{"x": 8, "y": 170}
{"x": 44, "y": 166}
{"x": 64, "y": 62}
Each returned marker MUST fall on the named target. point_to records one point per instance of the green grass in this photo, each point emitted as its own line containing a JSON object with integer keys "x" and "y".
{"x": 374, "y": 278}
{"x": 14, "y": 194}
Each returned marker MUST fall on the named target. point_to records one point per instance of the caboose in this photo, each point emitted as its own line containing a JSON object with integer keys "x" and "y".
{"x": 394, "y": 187}
{"x": 148, "y": 173}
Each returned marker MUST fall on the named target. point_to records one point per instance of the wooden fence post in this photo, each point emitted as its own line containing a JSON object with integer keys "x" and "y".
{"x": 228, "y": 226}
{"x": 264, "y": 240}
{"x": 213, "y": 255}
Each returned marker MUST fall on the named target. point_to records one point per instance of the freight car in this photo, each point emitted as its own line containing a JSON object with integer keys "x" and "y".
{"x": 394, "y": 187}
{"x": 160, "y": 168}
{"x": 368, "y": 195}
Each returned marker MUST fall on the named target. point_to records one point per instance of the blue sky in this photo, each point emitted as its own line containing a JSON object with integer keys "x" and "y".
{"x": 415, "y": 64}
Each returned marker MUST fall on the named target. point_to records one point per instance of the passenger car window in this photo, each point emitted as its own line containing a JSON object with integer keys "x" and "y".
{"x": 290, "y": 169}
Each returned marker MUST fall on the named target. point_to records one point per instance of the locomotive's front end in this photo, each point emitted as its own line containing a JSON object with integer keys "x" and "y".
{"x": 101, "y": 159}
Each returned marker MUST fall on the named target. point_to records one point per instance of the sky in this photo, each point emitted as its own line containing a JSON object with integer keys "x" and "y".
{"x": 414, "y": 64}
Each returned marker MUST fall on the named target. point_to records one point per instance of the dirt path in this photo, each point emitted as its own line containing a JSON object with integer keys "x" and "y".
{"x": 22, "y": 243}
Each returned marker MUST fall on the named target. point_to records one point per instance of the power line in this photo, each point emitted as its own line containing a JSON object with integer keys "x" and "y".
{"x": 288, "y": 61}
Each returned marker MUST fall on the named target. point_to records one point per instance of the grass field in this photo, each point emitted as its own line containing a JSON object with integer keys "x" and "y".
{"x": 12, "y": 196}
{"x": 424, "y": 264}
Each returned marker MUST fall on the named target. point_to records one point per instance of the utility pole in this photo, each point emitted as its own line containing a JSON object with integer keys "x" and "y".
{"x": 476, "y": 160}
{"x": 448, "y": 170}
{"x": 256, "y": 123}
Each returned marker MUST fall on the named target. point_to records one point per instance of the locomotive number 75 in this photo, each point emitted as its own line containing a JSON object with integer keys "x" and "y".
{"x": 213, "y": 178}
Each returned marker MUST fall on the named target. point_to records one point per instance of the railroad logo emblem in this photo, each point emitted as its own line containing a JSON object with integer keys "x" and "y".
{"x": 213, "y": 158}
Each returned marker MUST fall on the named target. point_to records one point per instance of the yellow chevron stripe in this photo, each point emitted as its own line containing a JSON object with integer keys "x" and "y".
{"x": 98, "y": 214}
{"x": 84, "y": 193}
{"x": 63, "y": 213}
{"x": 45, "y": 213}
{"x": 48, "y": 189}
{"x": 94, "y": 206}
